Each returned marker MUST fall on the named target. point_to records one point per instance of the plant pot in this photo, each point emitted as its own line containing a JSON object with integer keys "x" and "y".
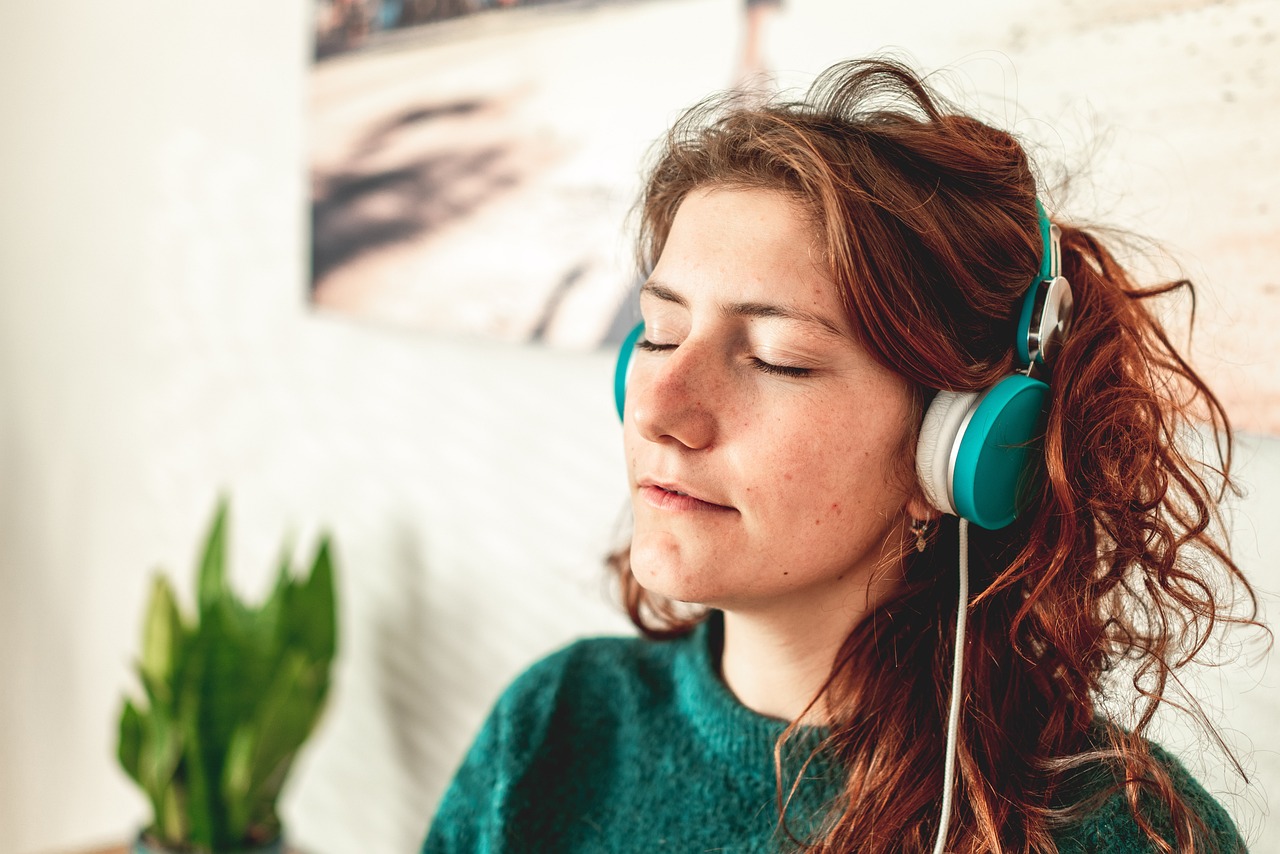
{"x": 145, "y": 845}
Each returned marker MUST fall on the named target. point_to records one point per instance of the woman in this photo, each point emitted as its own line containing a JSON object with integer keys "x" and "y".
{"x": 818, "y": 272}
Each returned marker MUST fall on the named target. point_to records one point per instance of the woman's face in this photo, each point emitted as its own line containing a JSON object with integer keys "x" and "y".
{"x": 768, "y": 453}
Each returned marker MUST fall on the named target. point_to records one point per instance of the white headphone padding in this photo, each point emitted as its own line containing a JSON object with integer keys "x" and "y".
{"x": 933, "y": 449}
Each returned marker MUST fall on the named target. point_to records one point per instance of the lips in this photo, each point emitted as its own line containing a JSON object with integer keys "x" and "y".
{"x": 674, "y": 497}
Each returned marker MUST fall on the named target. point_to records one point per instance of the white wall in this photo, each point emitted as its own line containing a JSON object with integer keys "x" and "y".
{"x": 155, "y": 347}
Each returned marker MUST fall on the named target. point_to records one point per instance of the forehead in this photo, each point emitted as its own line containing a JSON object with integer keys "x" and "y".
{"x": 733, "y": 211}
{"x": 748, "y": 244}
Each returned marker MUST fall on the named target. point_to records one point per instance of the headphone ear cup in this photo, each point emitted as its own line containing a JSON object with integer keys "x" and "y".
{"x": 938, "y": 434}
{"x": 997, "y": 451}
{"x": 622, "y": 370}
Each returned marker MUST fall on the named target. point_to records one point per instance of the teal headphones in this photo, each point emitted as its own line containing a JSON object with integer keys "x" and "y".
{"x": 977, "y": 452}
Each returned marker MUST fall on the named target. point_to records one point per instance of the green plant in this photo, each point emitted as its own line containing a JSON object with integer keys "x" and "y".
{"x": 231, "y": 695}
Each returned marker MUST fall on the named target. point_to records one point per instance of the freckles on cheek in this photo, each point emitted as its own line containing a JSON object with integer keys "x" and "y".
{"x": 836, "y": 512}
{"x": 833, "y": 514}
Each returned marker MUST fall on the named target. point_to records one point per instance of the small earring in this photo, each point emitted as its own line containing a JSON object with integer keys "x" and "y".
{"x": 920, "y": 527}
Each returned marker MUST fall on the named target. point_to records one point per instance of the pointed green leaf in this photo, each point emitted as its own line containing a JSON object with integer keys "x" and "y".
{"x": 234, "y": 676}
{"x": 287, "y": 715}
{"x": 270, "y": 613}
{"x": 212, "y": 581}
{"x": 171, "y": 823}
{"x": 323, "y": 595}
{"x": 159, "y": 760}
{"x": 159, "y": 694}
{"x": 237, "y": 781}
{"x": 161, "y": 635}
{"x": 310, "y": 610}
{"x": 200, "y": 795}
{"x": 136, "y": 751}
{"x": 130, "y": 744}
{"x": 262, "y": 624}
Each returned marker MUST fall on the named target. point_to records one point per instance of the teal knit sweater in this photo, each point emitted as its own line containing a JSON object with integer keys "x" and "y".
{"x": 620, "y": 745}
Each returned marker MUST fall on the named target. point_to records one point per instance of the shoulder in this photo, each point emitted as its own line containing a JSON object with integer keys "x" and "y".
{"x": 1112, "y": 827}
{"x": 592, "y": 666}
{"x": 1218, "y": 822}
{"x": 596, "y": 678}
{"x": 560, "y": 730}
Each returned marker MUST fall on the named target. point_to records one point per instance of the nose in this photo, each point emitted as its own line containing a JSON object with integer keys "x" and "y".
{"x": 676, "y": 397}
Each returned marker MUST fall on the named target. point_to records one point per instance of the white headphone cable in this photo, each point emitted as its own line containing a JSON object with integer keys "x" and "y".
{"x": 957, "y": 671}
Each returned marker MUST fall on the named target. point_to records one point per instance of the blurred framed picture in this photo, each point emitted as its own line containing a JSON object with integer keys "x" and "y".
{"x": 473, "y": 162}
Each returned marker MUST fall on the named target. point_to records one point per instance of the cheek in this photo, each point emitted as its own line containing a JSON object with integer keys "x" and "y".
{"x": 837, "y": 482}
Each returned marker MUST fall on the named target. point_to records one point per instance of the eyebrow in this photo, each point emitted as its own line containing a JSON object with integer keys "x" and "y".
{"x": 749, "y": 309}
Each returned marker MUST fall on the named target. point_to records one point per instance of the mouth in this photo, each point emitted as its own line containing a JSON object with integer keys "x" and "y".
{"x": 670, "y": 497}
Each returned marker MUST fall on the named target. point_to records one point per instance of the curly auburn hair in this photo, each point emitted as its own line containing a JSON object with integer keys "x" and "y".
{"x": 928, "y": 222}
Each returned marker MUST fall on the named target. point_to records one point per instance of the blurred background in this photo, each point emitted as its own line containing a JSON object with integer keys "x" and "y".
{"x": 358, "y": 265}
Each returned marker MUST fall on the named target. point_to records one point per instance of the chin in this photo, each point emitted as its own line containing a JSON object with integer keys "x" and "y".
{"x": 662, "y": 569}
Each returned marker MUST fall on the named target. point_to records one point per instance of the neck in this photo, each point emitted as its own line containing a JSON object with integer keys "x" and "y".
{"x": 775, "y": 664}
{"x": 778, "y": 654}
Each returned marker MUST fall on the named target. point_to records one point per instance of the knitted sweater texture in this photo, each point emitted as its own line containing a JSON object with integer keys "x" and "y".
{"x": 621, "y": 745}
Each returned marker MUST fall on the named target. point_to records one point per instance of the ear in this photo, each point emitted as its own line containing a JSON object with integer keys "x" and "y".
{"x": 918, "y": 507}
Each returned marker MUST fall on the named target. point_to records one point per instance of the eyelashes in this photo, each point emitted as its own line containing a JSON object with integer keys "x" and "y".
{"x": 780, "y": 370}
{"x": 756, "y": 362}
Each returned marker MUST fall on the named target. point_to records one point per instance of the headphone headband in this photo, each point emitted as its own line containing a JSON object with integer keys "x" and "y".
{"x": 1045, "y": 318}
{"x": 1050, "y": 239}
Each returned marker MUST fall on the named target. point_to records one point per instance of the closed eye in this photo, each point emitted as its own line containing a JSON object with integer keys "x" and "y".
{"x": 756, "y": 362}
{"x": 780, "y": 370}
